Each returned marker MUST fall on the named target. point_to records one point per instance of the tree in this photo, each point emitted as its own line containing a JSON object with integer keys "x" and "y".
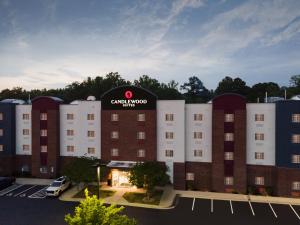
{"x": 92, "y": 211}
{"x": 229, "y": 85}
{"x": 81, "y": 170}
{"x": 149, "y": 175}
{"x": 295, "y": 81}
{"x": 195, "y": 90}
{"x": 259, "y": 90}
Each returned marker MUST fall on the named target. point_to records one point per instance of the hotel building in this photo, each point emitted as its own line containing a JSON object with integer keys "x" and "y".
{"x": 227, "y": 145}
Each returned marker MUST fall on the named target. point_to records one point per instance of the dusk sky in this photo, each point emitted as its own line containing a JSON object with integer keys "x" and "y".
{"x": 49, "y": 43}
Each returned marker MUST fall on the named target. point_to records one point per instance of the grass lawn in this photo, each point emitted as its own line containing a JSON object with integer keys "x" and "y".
{"x": 135, "y": 197}
{"x": 93, "y": 190}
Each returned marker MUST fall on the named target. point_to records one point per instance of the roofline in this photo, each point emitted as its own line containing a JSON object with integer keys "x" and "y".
{"x": 229, "y": 93}
{"x": 144, "y": 89}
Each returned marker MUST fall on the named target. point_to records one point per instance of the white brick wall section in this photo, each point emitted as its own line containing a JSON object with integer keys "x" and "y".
{"x": 20, "y": 125}
{"x": 267, "y": 127}
{"x": 81, "y": 126}
{"x": 177, "y": 144}
{"x": 204, "y": 126}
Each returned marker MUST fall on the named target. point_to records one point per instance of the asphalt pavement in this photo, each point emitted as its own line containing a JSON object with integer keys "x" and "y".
{"x": 48, "y": 211}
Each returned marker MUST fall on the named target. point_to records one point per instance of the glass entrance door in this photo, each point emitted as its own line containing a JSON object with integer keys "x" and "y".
{"x": 120, "y": 178}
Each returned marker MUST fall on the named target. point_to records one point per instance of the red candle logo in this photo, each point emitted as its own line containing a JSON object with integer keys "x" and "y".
{"x": 128, "y": 94}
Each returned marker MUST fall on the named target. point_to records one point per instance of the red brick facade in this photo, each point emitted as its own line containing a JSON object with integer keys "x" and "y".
{"x": 127, "y": 127}
{"x": 202, "y": 175}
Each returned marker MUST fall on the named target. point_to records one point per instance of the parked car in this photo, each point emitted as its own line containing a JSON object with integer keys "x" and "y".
{"x": 58, "y": 186}
{"x": 6, "y": 182}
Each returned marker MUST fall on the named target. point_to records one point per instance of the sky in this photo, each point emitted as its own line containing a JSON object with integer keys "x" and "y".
{"x": 51, "y": 43}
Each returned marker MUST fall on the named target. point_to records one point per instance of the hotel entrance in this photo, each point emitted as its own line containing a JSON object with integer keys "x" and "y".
{"x": 119, "y": 173}
{"x": 120, "y": 178}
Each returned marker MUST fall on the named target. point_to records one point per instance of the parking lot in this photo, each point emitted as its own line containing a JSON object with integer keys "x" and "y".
{"x": 213, "y": 211}
{"x": 24, "y": 191}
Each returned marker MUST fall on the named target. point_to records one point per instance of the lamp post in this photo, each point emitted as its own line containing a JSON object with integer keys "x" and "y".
{"x": 98, "y": 166}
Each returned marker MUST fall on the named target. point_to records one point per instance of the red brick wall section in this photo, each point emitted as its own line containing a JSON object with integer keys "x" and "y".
{"x": 128, "y": 126}
{"x": 240, "y": 169}
{"x": 285, "y": 177}
{"x": 53, "y": 144}
{"x": 218, "y": 151}
{"x": 35, "y": 143}
{"x": 268, "y": 172}
{"x": 22, "y": 160}
{"x": 202, "y": 175}
{"x": 7, "y": 165}
{"x": 179, "y": 176}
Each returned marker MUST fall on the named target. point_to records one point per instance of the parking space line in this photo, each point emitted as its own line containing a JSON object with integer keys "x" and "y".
{"x": 231, "y": 206}
{"x": 38, "y": 192}
{"x": 10, "y": 190}
{"x": 193, "y": 204}
{"x": 273, "y": 210}
{"x": 211, "y": 205}
{"x": 24, "y": 191}
{"x": 294, "y": 211}
{"x": 251, "y": 208}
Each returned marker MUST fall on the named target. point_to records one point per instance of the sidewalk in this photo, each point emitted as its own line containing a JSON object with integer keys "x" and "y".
{"x": 34, "y": 181}
{"x": 169, "y": 195}
{"x": 166, "y": 201}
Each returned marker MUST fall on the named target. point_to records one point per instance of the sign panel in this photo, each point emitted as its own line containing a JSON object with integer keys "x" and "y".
{"x": 128, "y": 98}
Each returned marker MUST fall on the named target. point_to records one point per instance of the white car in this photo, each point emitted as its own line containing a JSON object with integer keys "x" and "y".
{"x": 58, "y": 186}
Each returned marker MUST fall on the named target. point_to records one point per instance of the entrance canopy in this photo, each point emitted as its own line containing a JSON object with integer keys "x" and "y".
{"x": 121, "y": 164}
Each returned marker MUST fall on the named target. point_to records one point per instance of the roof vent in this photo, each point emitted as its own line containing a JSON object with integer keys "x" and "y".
{"x": 91, "y": 98}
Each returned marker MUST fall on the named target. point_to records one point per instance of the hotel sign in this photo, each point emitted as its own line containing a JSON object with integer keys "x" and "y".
{"x": 128, "y": 98}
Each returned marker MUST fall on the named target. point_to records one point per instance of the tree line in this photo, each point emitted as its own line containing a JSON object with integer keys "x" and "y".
{"x": 193, "y": 90}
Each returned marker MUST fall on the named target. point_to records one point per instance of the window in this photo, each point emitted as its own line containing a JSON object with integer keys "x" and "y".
{"x": 169, "y": 153}
{"x": 259, "y": 155}
{"x": 198, "y": 117}
{"x": 229, "y": 137}
{"x": 169, "y": 117}
{"x": 295, "y": 158}
{"x": 228, "y": 155}
{"x": 141, "y": 117}
{"x": 1, "y": 148}
{"x": 259, "y": 181}
{"x": 1, "y": 116}
{"x": 70, "y": 132}
{"x": 141, "y": 135}
{"x": 229, "y": 118}
{"x": 190, "y": 176}
{"x": 43, "y": 116}
{"x": 114, "y": 117}
{"x": 25, "y": 116}
{"x": 259, "y": 136}
{"x": 228, "y": 180}
{"x": 197, "y": 135}
{"x": 25, "y": 131}
{"x": 70, "y": 148}
{"x": 296, "y": 118}
{"x": 259, "y": 117}
{"x": 91, "y": 133}
{"x": 114, "y": 152}
{"x": 43, "y": 169}
{"x": 141, "y": 153}
{"x": 296, "y": 138}
{"x": 44, "y": 148}
{"x": 198, "y": 153}
{"x": 25, "y": 148}
{"x": 169, "y": 135}
{"x": 90, "y": 117}
{"x": 1, "y": 132}
{"x": 91, "y": 150}
{"x": 114, "y": 135}
{"x": 70, "y": 116}
{"x": 44, "y": 133}
{"x": 296, "y": 186}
